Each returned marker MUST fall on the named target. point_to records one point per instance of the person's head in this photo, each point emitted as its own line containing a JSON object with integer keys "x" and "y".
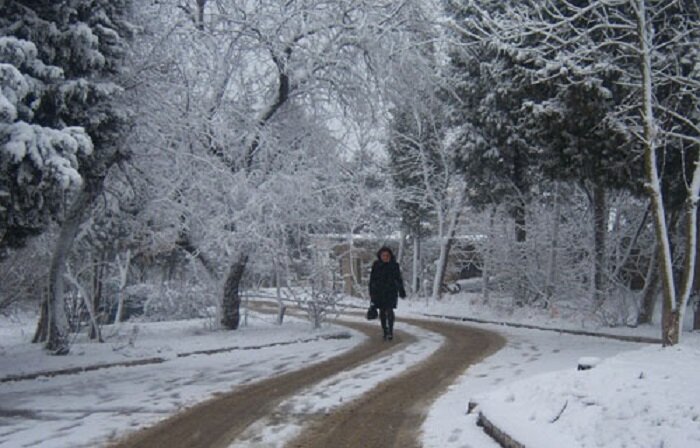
{"x": 385, "y": 254}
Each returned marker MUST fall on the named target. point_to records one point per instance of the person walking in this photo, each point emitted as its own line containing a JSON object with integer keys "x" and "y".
{"x": 385, "y": 284}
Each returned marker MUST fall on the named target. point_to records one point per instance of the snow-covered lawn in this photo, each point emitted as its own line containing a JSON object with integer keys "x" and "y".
{"x": 89, "y": 408}
{"x": 638, "y": 396}
{"x": 523, "y": 387}
{"x": 144, "y": 341}
{"x": 641, "y": 399}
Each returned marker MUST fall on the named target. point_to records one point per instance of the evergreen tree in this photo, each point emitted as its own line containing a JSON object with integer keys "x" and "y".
{"x": 651, "y": 47}
{"x": 486, "y": 94}
{"x": 55, "y": 105}
{"x": 571, "y": 124}
{"x": 486, "y": 113}
{"x": 85, "y": 41}
{"x": 38, "y": 158}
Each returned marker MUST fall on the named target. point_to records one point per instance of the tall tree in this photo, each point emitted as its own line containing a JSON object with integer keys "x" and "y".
{"x": 272, "y": 62}
{"x": 38, "y": 157}
{"x": 85, "y": 39}
{"x": 653, "y": 46}
{"x": 580, "y": 144}
{"x": 487, "y": 94}
{"x": 412, "y": 143}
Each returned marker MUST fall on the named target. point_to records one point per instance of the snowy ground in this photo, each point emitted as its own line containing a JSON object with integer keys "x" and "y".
{"x": 638, "y": 396}
{"x": 85, "y": 409}
{"x": 645, "y": 398}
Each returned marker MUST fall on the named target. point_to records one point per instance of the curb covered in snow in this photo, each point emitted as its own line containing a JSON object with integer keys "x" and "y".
{"x": 147, "y": 361}
{"x": 497, "y": 434}
{"x": 619, "y": 337}
{"x": 80, "y": 369}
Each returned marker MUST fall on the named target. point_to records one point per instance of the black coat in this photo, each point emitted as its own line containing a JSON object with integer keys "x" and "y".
{"x": 385, "y": 284}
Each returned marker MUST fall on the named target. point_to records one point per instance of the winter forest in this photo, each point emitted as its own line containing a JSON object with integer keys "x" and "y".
{"x": 200, "y": 188}
{"x": 187, "y": 150}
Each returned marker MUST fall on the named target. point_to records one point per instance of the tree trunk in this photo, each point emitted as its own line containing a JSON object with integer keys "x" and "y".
{"x": 441, "y": 267}
{"x": 97, "y": 274}
{"x": 200, "y": 13}
{"x": 87, "y": 300}
{"x": 95, "y": 332}
{"x": 520, "y": 223}
{"x": 690, "y": 263}
{"x": 231, "y": 303}
{"x": 41, "y": 334}
{"x": 123, "y": 268}
{"x": 554, "y": 249}
{"x": 670, "y": 325}
{"x": 520, "y": 256}
{"x": 651, "y": 289}
{"x": 58, "y": 329}
{"x": 669, "y": 333}
{"x": 415, "y": 277}
{"x": 486, "y": 257}
{"x": 402, "y": 240}
{"x": 278, "y": 288}
{"x": 600, "y": 229}
{"x": 446, "y": 239}
{"x": 696, "y": 289}
{"x": 55, "y": 326}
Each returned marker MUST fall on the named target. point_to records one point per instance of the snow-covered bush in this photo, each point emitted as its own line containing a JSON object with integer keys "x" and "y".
{"x": 319, "y": 305}
{"x": 170, "y": 301}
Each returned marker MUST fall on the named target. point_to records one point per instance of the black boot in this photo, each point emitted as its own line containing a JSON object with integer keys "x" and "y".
{"x": 390, "y": 325}
{"x": 383, "y": 320}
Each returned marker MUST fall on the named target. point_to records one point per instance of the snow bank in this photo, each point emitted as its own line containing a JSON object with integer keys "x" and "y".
{"x": 644, "y": 398}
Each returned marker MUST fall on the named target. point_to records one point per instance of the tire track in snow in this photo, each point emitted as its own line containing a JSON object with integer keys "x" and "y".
{"x": 288, "y": 419}
{"x": 216, "y": 422}
{"x": 392, "y": 413}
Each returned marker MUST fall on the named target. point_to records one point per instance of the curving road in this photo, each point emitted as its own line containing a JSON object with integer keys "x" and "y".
{"x": 389, "y": 415}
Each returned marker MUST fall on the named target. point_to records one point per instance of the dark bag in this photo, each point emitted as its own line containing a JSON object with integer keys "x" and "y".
{"x": 372, "y": 312}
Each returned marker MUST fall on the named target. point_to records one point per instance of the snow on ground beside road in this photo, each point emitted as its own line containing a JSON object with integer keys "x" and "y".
{"x": 500, "y": 309}
{"x": 530, "y": 353}
{"x": 86, "y": 409}
{"x": 134, "y": 340}
{"x": 608, "y": 406}
{"x": 336, "y": 391}
{"x": 640, "y": 399}
{"x": 527, "y": 353}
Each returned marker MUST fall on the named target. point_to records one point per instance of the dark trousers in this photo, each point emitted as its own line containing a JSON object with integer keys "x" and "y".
{"x": 386, "y": 316}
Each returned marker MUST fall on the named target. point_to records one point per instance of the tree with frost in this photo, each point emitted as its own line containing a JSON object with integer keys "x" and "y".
{"x": 38, "y": 161}
{"x": 429, "y": 183}
{"x": 271, "y": 60}
{"x": 417, "y": 141}
{"x": 409, "y": 138}
{"x": 485, "y": 95}
{"x": 485, "y": 110}
{"x": 653, "y": 46}
{"x": 580, "y": 144}
{"x": 82, "y": 41}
